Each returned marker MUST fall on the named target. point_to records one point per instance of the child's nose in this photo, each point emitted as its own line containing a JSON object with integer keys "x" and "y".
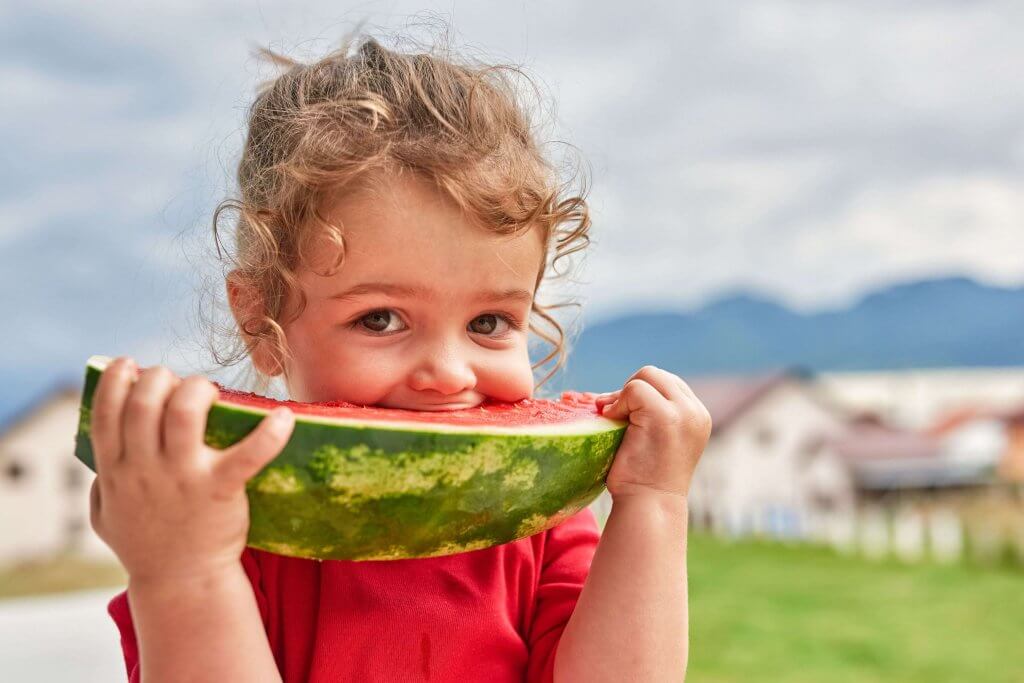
{"x": 443, "y": 371}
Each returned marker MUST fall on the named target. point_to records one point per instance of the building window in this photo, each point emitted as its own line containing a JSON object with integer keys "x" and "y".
{"x": 75, "y": 526}
{"x": 15, "y": 471}
{"x": 74, "y": 476}
{"x": 764, "y": 436}
{"x": 823, "y": 502}
{"x": 74, "y": 533}
{"x": 810, "y": 449}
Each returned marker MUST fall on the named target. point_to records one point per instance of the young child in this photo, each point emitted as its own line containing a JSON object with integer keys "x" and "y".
{"x": 395, "y": 220}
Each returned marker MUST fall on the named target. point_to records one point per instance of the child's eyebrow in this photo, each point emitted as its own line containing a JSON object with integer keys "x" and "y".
{"x": 412, "y": 292}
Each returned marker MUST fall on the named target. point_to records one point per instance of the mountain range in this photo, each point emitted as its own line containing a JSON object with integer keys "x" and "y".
{"x": 953, "y": 321}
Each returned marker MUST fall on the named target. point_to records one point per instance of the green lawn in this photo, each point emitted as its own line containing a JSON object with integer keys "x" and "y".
{"x": 765, "y": 612}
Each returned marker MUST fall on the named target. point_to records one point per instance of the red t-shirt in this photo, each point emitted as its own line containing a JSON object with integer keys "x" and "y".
{"x": 491, "y": 615}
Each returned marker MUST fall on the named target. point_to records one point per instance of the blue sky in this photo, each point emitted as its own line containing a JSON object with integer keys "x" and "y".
{"x": 807, "y": 150}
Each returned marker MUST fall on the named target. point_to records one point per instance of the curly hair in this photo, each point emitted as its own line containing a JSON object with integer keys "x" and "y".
{"x": 334, "y": 123}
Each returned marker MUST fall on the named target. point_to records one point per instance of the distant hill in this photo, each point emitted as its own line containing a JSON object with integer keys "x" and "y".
{"x": 931, "y": 323}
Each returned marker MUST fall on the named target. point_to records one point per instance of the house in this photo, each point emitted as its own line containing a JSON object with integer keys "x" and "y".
{"x": 766, "y": 469}
{"x": 786, "y": 461}
{"x": 44, "y": 489}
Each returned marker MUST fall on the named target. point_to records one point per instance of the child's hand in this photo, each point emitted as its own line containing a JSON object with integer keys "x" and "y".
{"x": 668, "y": 429}
{"x": 167, "y": 504}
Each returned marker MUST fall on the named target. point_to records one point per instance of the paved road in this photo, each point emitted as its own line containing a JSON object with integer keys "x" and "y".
{"x": 60, "y": 638}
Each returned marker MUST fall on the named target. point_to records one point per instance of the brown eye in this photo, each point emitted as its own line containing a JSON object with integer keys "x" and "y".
{"x": 377, "y": 321}
{"x": 484, "y": 324}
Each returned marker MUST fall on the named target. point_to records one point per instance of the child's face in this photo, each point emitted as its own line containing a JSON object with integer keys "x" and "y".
{"x": 428, "y": 311}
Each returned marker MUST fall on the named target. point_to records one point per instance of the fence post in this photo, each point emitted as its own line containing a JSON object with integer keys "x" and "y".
{"x": 945, "y": 535}
{"x": 874, "y": 533}
{"x": 908, "y": 535}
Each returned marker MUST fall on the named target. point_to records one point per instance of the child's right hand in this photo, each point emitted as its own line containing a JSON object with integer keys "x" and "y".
{"x": 167, "y": 504}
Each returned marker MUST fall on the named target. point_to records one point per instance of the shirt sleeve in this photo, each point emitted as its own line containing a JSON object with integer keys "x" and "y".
{"x": 120, "y": 611}
{"x": 121, "y": 614}
{"x": 567, "y": 554}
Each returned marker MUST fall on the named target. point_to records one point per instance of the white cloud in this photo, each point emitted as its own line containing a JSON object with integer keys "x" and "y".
{"x": 971, "y": 224}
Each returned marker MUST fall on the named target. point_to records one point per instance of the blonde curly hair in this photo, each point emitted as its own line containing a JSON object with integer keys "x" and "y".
{"x": 318, "y": 127}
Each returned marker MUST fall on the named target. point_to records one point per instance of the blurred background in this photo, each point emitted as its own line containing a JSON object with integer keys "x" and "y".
{"x": 810, "y": 211}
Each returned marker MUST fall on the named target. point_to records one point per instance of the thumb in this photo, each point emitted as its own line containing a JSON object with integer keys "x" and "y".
{"x": 241, "y": 461}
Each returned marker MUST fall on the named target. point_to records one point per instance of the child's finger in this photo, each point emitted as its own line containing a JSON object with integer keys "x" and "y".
{"x": 184, "y": 421}
{"x": 616, "y": 410}
{"x": 605, "y": 399}
{"x": 638, "y": 398}
{"x": 664, "y": 381}
{"x": 144, "y": 413}
{"x": 107, "y": 406}
{"x": 243, "y": 460}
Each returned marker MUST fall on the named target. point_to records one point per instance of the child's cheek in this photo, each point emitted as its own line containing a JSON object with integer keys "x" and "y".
{"x": 506, "y": 376}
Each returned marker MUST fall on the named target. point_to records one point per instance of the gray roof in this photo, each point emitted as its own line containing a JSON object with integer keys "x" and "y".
{"x": 882, "y": 458}
{"x": 728, "y": 396}
{"x": 874, "y": 441}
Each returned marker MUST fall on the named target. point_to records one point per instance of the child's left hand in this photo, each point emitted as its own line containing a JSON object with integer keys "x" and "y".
{"x": 668, "y": 429}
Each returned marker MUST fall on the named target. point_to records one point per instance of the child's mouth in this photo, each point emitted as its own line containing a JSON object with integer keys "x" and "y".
{"x": 445, "y": 406}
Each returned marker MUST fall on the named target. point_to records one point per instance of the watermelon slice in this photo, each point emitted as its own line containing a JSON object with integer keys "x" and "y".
{"x": 365, "y": 483}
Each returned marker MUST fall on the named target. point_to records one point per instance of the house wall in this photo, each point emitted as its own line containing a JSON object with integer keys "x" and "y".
{"x": 44, "y": 489}
{"x": 768, "y": 473}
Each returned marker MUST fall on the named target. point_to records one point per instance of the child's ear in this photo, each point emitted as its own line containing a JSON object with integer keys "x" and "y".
{"x": 246, "y": 304}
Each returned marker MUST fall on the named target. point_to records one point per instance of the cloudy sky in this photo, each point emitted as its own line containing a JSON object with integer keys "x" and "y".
{"x": 811, "y": 151}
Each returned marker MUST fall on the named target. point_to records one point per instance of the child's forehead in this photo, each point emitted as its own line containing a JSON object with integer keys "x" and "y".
{"x": 406, "y": 205}
{"x": 428, "y": 244}
{"x": 418, "y": 232}
{"x": 434, "y": 263}
{"x": 437, "y": 243}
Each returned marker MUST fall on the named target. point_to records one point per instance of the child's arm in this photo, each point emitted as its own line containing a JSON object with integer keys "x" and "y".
{"x": 175, "y": 512}
{"x": 630, "y": 622}
{"x": 200, "y": 629}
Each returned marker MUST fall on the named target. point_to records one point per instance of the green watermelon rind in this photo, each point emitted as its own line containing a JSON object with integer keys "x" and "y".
{"x": 382, "y": 491}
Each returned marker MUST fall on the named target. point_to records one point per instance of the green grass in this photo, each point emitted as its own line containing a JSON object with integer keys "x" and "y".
{"x": 768, "y": 612}
{"x": 58, "y": 575}
{"x": 765, "y": 612}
